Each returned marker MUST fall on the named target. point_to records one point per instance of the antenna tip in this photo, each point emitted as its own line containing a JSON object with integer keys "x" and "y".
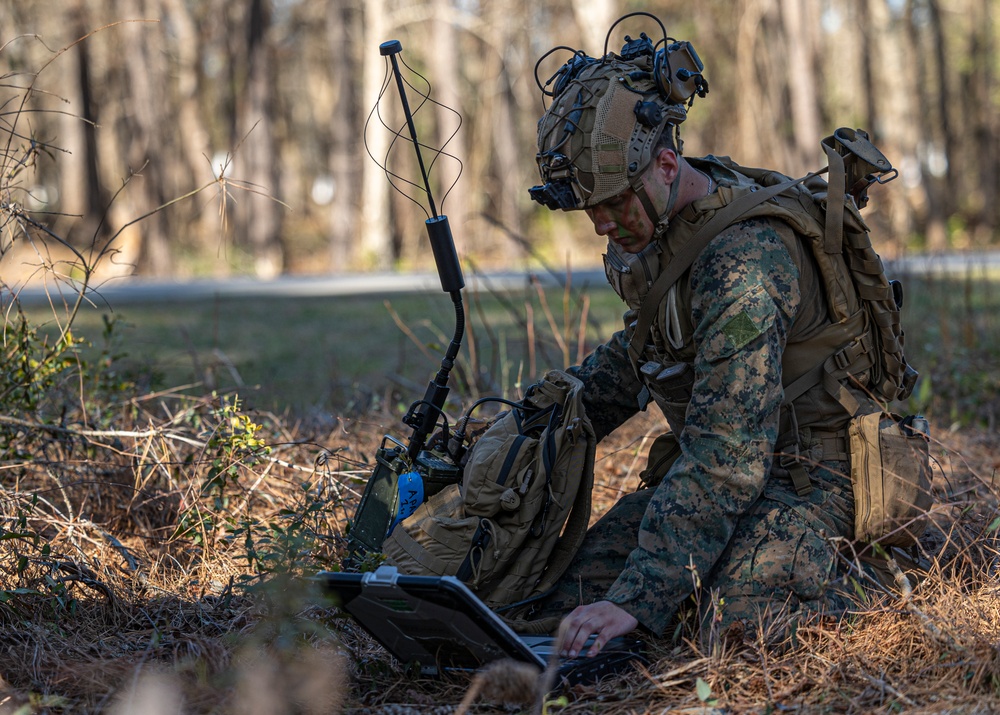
{"x": 390, "y": 47}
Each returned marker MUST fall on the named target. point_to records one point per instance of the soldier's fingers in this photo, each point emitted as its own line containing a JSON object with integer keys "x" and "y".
{"x": 598, "y": 643}
{"x": 579, "y": 638}
{"x": 602, "y": 619}
{"x": 578, "y": 628}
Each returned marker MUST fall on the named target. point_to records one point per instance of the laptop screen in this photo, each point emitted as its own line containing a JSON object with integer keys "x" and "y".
{"x": 434, "y": 621}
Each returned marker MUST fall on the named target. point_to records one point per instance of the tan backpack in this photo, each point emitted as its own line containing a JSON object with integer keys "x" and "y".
{"x": 510, "y": 529}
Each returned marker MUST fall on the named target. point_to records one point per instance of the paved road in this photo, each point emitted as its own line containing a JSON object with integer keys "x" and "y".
{"x": 138, "y": 290}
{"x": 144, "y": 291}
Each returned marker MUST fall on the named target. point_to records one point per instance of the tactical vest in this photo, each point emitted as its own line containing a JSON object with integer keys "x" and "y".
{"x": 844, "y": 347}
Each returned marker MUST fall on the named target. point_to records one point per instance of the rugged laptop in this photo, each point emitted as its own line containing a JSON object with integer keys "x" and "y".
{"x": 439, "y": 624}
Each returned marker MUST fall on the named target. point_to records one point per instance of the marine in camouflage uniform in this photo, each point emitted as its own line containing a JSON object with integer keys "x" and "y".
{"x": 725, "y": 513}
{"x": 725, "y": 527}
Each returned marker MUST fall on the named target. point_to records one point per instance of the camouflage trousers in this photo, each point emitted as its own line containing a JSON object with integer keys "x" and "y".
{"x": 780, "y": 560}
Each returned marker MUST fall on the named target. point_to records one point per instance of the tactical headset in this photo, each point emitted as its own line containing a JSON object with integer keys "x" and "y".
{"x": 607, "y": 116}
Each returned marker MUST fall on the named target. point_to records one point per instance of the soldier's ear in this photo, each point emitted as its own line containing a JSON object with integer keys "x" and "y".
{"x": 666, "y": 164}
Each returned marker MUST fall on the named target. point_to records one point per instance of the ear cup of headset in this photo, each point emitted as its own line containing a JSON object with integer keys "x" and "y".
{"x": 677, "y": 72}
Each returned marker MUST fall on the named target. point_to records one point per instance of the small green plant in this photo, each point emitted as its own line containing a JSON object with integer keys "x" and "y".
{"x": 295, "y": 540}
{"x": 33, "y": 370}
{"x": 234, "y": 445}
{"x": 109, "y": 385}
{"x": 35, "y": 572}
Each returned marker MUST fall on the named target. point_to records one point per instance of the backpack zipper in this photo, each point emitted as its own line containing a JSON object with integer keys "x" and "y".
{"x": 512, "y": 455}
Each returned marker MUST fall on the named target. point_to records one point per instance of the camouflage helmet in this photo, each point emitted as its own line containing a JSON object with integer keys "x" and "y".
{"x": 607, "y": 116}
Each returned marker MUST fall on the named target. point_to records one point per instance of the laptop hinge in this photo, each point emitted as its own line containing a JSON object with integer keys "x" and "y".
{"x": 382, "y": 576}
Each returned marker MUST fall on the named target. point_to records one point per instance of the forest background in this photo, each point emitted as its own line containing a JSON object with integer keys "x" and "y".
{"x": 154, "y": 529}
{"x": 276, "y": 95}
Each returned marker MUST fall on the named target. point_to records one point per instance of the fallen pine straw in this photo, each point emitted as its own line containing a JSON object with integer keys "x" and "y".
{"x": 121, "y": 614}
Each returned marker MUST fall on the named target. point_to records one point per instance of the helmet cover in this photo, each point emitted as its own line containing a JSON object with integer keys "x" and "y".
{"x": 607, "y": 115}
{"x": 593, "y": 135}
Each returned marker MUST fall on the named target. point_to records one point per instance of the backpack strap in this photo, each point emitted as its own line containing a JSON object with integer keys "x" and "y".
{"x": 575, "y": 529}
{"x": 833, "y": 241}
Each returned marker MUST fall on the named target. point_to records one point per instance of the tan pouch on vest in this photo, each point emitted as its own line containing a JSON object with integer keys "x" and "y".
{"x": 891, "y": 476}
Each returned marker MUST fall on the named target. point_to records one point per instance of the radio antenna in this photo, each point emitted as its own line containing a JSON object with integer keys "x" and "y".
{"x": 423, "y": 415}
{"x": 391, "y": 49}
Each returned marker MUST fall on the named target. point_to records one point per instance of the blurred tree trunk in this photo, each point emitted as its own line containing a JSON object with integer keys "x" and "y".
{"x": 594, "y": 18}
{"x": 930, "y": 147}
{"x": 80, "y": 190}
{"x": 376, "y": 245}
{"x": 260, "y": 214}
{"x": 346, "y": 155}
{"x": 800, "y": 31}
{"x": 889, "y": 106}
{"x": 148, "y": 132}
{"x": 985, "y": 122}
{"x": 939, "y": 42}
{"x": 443, "y": 65}
{"x": 762, "y": 116}
{"x": 195, "y": 143}
{"x": 867, "y": 47}
{"x": 505, "y": 186}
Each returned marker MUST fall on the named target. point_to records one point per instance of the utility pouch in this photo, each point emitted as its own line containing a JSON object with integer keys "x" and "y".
{"x": 891, "y": 477}
{"x": 662, "y": 454}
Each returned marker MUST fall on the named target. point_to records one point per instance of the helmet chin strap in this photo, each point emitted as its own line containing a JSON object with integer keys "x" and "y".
{"x": 660, "y": 221}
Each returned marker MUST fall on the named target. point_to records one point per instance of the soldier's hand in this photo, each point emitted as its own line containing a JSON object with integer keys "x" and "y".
{"x": 603, "y": 619}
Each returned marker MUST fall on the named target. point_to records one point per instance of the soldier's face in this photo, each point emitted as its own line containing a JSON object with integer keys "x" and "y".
{"x": 623, "y": 220}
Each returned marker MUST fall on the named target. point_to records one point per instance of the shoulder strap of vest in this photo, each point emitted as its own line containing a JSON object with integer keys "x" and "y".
{"x": 833, "y": 240}
{"x": 690, "y": 251}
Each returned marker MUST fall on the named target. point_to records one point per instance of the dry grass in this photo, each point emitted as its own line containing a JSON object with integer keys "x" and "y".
{"x": 113, "y": 611}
